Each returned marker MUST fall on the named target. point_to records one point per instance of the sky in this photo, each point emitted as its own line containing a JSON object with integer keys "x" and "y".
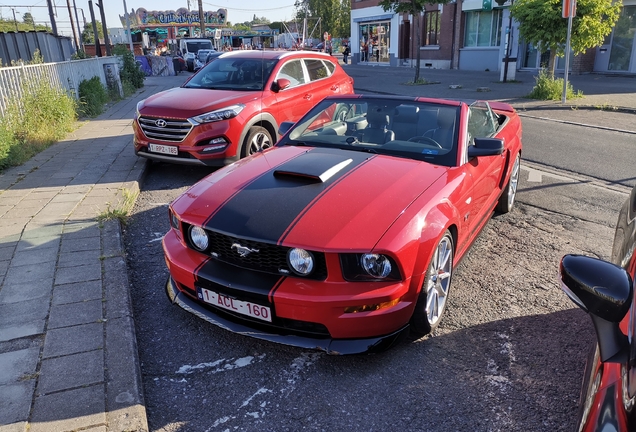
{"x": 237, "y": 11}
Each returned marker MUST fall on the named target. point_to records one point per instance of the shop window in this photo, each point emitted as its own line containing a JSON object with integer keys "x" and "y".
{"x": 483, "y": 28}
{"x": 430, "y": 32}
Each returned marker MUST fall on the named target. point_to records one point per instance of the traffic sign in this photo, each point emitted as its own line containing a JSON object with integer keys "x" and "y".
{"x": 569, "y": 7}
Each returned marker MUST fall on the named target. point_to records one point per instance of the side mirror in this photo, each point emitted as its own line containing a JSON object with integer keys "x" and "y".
{"x": 280, "y": 84}
{"x": 284, "y": 127}
{"x": 486, "y": 147}
{"x": 603, "y": 290}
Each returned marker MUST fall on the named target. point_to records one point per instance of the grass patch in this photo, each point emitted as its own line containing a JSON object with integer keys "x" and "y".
{"x": 93, "y": 96}
{"x": 42, "y": 116}
{"x": 549, "y": 88}
{"x": 122, "y": 212}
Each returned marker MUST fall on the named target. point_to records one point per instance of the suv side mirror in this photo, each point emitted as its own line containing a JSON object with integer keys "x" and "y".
{"x": 280, "y": 84}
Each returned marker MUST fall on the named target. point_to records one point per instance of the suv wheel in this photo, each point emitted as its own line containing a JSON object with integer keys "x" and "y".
{"x": 258, "y": 138}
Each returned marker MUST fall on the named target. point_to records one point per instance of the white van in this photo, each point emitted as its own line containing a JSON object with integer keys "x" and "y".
{"x": 189, "y": 48}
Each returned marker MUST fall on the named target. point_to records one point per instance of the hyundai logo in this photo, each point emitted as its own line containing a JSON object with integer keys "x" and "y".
{"x": 242, "y": 250}
{"x": 161, "y": 123}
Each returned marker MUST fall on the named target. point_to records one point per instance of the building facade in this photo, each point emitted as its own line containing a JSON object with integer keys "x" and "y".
{"x": 474, "y": 35}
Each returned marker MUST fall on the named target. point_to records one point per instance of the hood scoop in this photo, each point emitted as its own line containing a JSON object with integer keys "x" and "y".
{"x": 316, "y": 166}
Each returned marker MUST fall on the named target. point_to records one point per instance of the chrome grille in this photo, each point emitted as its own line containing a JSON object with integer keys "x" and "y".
{"x": 173, "y": 130}
{"x": 270, "y": 258}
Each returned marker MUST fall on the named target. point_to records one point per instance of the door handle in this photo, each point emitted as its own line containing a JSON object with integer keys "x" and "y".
{"x": 307, "y": 96}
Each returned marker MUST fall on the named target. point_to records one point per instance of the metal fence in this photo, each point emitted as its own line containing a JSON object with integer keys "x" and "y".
{"x": 63, "y": 75}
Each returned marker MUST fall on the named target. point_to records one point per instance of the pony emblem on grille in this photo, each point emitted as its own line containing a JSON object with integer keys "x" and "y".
{"x": 242, "y": 250}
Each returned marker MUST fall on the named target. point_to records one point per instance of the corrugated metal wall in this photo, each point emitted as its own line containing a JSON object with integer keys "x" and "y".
{"x": 15, "y": 46}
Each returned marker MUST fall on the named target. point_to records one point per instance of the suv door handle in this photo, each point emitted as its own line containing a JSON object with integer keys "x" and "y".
{"x": 307, "y": 96}
{"x": 335, "y": 87}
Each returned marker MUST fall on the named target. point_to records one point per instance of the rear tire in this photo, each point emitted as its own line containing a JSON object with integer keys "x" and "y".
{"x": 507, "y": 198}
{"x": 258, "y": 139}
{"x": 431, "y": 302}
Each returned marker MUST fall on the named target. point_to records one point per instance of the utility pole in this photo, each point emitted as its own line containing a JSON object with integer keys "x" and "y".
{"x": 103, "y": 15}
{"x": 128, "y": 28}
{"x": 15, "y": 21}
{"x": 70, "y": 16}
{"x": 201, "y": 18}
{"x": 79, "y": 29}
{"x": 98, "y": 46}
{"x": 52, "y": 16}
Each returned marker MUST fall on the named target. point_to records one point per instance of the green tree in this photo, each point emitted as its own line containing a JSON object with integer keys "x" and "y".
{"x": 414, "y": 8}
{"x": 27, "y": 18}
{"x": 541, "y": 23}
{"x": 8, "y": 25}
{"x": 334, "y": 14}
{"x": 87, "y": 33}
{"x": 261, "y": 20}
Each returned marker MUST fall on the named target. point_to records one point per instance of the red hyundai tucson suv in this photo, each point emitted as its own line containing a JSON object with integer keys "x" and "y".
{"x": 234, "y": 106}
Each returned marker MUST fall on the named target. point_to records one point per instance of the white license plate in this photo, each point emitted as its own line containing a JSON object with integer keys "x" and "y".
{"x": 244, "y": 308}
{"x": 169, "y": 150}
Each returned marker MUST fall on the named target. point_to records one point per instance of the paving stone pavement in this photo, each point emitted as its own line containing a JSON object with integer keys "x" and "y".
{"x": 68, "y": 354}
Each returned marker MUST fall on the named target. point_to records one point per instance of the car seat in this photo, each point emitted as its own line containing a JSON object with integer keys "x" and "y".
{"x": 443, "y": 134}
{"x": 376, "y": 132}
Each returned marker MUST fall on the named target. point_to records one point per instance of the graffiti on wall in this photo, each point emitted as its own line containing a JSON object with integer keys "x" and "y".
{"x": 144, "y": 18}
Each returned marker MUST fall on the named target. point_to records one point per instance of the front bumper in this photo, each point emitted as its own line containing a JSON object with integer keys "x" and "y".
{"x": 328, "y": 345}
{"x": 305, "y": 313}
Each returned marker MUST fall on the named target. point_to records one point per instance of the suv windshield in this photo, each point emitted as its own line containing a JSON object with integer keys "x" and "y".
{"x": 403, "y": 128}
{"x": 227, "y": 73}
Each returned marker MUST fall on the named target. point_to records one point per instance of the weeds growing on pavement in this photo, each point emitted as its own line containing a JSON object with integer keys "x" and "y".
{"x": 548, "y": 87}
{"x": 421, "y": 81}
{"x": 123, "y": 211}
{"x": 42, "y": 115}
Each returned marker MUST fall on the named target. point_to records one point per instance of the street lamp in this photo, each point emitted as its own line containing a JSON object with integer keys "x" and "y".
{"x": 508, "y": 47}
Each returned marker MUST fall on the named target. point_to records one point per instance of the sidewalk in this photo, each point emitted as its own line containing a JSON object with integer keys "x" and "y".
{"x": 68, "y": 354}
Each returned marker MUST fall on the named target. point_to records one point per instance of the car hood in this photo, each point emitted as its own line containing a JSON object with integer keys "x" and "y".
{"x": 183, "y": 102}
{"x": 319, "y": 199}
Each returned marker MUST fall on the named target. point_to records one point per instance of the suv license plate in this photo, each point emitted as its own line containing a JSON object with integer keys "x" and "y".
{"x": 169, "y": 150}
{"x": 242, "y": 307}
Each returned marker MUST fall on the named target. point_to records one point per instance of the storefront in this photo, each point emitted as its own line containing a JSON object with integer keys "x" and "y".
{"x": 373, "y": 36}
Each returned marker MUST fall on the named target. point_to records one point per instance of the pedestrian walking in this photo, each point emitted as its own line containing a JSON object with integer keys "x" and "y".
{"x": 345, "y": 54}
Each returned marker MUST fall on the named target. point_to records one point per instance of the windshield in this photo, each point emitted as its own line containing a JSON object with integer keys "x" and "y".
{"x": 409, "y": 129}
{"x": 194, "y": 47}
{"x": 227, "y": 73}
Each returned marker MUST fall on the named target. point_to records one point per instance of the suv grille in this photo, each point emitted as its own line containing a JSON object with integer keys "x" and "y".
{"x": 270, "y": 258}
{"x": 172, "y": 130}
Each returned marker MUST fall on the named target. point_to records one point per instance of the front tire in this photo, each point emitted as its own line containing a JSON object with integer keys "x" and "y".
{"x": 431, "y": 302}
{"x": 507, "y": 198}
{"x": 258, "y": 139}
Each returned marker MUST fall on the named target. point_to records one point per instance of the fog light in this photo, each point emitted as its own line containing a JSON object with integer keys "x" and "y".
{"x": 371, "y": 307}
{"x": 301, "y": 261}
{"x": 199, "y": 238}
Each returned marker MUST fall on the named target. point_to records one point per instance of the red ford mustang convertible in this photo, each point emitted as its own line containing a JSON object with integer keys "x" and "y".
{"x": 344, "y": 236}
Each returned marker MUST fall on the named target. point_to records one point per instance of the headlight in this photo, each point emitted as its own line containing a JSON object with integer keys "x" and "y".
{"x": 199, "y": 238}
{"x": 376, "y": 265}
{"x": 218, "y": 115}
{"x": 301, "y": 261}
{"x": 369, "y": 267}
{"x": 139, "y": 105}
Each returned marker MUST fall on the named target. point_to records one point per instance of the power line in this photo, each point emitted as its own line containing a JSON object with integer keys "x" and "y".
{"x": 249, "y": 10}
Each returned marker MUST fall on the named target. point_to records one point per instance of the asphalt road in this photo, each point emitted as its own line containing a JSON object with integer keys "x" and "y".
{"x": 508, "y": 355}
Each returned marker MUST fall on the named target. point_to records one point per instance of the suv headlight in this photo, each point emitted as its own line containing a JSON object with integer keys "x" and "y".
{"x": 140, "y": 104}
{"x": 220, "y": 114}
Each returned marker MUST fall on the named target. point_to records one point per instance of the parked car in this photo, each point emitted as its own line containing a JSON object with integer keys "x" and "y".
{"x": 345, "y": 235}
{"x": 606, "y": 292}
{"x": 202, "y": 58}
{"x": 234, "y": 106}
{"x": 212, "y": 55}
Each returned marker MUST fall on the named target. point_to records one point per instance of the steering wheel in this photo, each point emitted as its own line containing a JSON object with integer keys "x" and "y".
{"x": 426, "y": 140}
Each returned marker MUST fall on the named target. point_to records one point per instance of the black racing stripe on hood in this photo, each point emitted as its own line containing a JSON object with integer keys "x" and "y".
{"x": 234, "y": 282}
{"x": 247, "y": 184}
{"x": 266, "y": 209}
